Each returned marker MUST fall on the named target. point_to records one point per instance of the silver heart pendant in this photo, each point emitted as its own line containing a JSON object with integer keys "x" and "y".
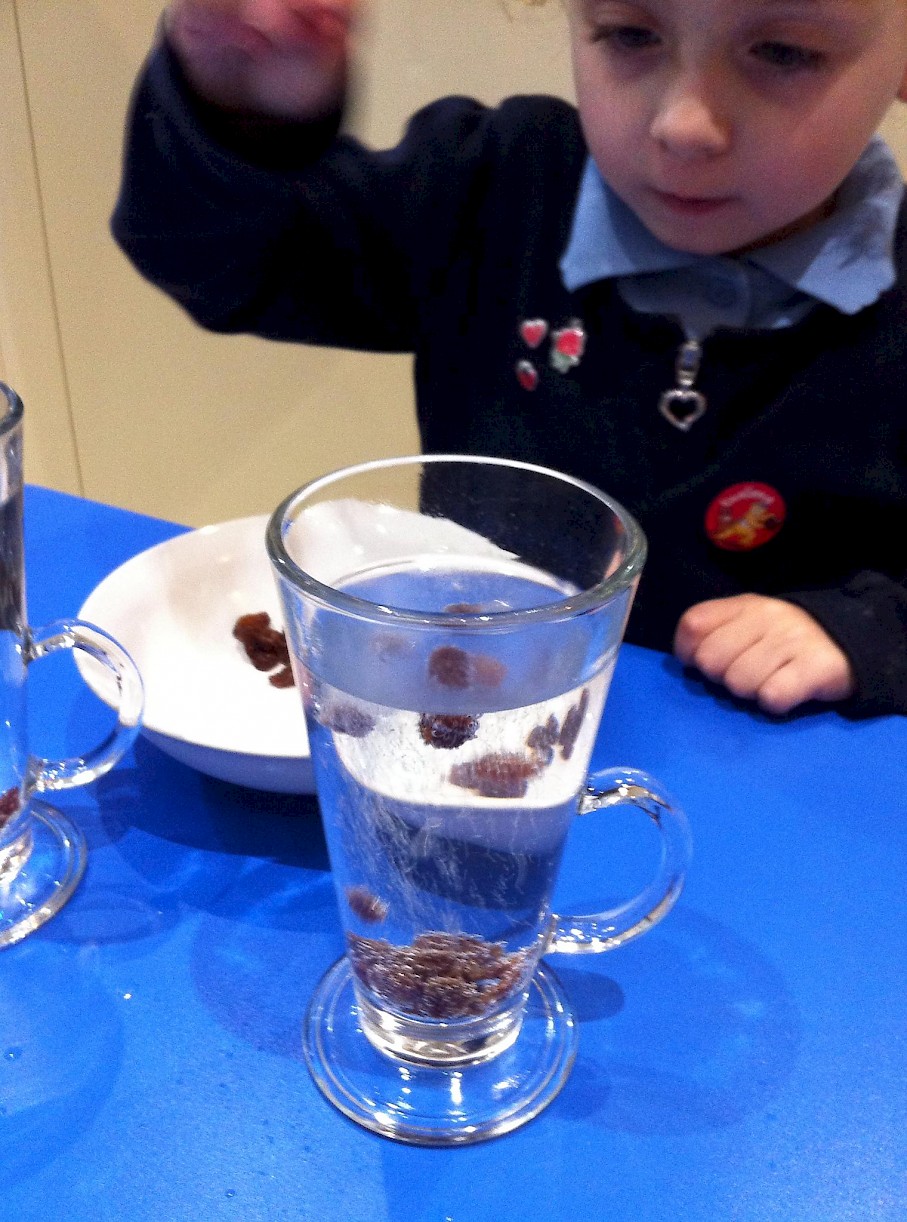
{"x": 682, "y": 407}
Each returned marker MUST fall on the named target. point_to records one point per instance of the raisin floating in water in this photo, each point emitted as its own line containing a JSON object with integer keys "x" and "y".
{"x": 542, "y": 739}
{"x": 571, "y": 727}
{"x": 449, "y": 666}
{"x": 463, "y": 609}
{"x": 365, "y": 905}
{"x": 282, "y": 677}
{"x": 502, "y": 775}
{"x": 486, "y": 671}
{"x": 543, "y": 756}
{"x": 346, "y": 719}
{"x": 447, "y": 730}
{"x": 544, "y": 735}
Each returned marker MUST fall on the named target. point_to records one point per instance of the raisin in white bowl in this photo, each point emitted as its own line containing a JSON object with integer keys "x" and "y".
{"x": 173, "y": 608}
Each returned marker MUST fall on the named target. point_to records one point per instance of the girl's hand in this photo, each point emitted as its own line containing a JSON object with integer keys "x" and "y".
{"x": 764, "y": 649}
{"x": 274, "y": 58}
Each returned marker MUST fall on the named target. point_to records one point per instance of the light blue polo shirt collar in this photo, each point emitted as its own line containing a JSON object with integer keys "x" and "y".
{"x": 845, "y": 260}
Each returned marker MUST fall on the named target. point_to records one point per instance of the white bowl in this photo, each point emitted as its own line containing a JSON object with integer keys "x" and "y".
{"x": 173, "y": 608}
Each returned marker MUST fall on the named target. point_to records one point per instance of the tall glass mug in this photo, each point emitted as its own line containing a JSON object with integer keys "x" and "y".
{"x": 42, "y": 853}
{"x": 453, "y": 624}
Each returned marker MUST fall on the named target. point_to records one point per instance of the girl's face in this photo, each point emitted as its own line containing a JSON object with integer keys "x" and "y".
{"x": 724, "y": 124}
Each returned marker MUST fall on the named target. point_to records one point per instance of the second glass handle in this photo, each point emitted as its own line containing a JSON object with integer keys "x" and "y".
{"x": 80, "y": 770}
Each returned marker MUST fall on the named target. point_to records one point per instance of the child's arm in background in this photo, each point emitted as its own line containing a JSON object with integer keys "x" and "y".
{"x": 226, "y": 114}
{"x": 764, "y": 649}
{"x": 243, "y": 202}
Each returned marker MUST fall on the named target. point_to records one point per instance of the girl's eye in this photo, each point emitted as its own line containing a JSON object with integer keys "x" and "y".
{"x": 786, "y": 56}
{"x": 627, "y": 37}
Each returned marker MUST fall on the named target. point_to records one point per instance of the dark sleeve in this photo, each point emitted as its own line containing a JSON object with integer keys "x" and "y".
{"x": 867, "y": 618}
{"x": 290, "y": 231}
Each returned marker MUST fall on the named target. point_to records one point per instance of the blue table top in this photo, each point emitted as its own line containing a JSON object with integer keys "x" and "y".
{"x": 745, "y": 1060}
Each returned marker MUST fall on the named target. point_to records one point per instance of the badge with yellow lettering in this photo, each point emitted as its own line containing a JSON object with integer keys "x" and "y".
{"x": 745, "y": 516}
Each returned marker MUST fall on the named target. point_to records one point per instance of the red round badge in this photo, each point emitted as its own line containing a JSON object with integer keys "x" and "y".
{"x": 745, "y": 516}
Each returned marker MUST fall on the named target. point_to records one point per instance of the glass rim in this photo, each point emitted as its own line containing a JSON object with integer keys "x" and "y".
{"x": 623, "y": 577}
{"x": 14, "y": 409}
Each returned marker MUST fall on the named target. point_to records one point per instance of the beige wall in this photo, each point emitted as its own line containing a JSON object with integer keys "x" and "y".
{"x": 894, "y": 129}
{"x": 126, "y": 400}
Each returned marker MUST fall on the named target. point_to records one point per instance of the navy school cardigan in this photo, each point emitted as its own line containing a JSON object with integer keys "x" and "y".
{"x": 444, "y": 245}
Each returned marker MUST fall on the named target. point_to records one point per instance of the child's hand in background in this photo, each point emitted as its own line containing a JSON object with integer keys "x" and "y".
{"x": 276, "y": 58}
{"x": 763, "y": 649}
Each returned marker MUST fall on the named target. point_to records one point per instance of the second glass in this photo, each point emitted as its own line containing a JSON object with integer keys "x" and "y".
{"x": 42, "y": 852}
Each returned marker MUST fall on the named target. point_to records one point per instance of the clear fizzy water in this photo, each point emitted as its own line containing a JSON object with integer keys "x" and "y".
{"x": 448, "y": 762}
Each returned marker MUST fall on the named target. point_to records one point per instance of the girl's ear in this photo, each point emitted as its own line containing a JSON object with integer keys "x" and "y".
{"x": 902, "y": 92}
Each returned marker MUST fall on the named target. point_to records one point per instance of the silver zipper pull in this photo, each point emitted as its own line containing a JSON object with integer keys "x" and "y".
{"x": 683, "y": 405}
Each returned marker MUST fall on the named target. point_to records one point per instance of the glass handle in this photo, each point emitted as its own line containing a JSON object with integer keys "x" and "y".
{"x": 80, "y": 770}
{"x": 607, "y": 788}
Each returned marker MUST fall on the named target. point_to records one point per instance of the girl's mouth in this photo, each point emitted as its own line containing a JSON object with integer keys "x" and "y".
{"x": 692, "y": 205}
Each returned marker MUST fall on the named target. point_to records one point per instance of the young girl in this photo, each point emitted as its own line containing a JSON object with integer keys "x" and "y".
{"x": 689, "y": 293}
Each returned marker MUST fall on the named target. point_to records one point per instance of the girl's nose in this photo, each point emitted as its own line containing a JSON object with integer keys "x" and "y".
{"x": 688, "y": 124}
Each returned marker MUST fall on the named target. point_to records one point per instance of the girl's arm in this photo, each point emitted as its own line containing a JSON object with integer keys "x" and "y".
{"x": 286, "y": 229}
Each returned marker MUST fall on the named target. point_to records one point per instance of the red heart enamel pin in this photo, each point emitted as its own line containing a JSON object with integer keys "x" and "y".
{"x": 527, "y": 375}
{"x": 568, "y": 346}
{"x": 533, "y": 331}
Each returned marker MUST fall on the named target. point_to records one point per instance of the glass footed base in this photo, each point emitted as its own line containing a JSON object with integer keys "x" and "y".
{"x": 430, "y": 1106}
{"x": 39, "y": 872}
